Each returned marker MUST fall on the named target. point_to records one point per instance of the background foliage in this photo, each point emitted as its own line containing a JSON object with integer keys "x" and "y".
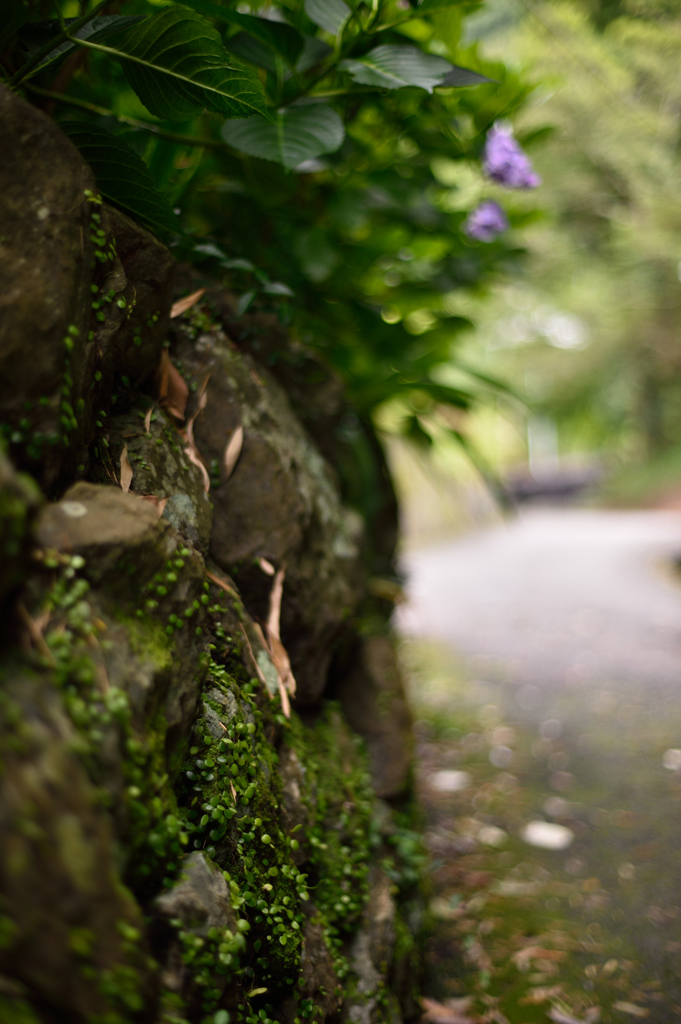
{"x": 319, "y": 157}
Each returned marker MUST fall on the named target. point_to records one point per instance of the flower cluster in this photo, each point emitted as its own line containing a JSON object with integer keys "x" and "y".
{"x": 504, "y": 162}
{"x": 486, "y": 222}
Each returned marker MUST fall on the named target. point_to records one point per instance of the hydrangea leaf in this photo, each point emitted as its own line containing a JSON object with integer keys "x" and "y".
{"x": 330, "y": 15}
{"x": 300, "y": 133}
{"x": 275, "y": 35}
{"x": 36, "y": 35}
{"x": 176, "y": 63}
{"x": 464, "y": 76}
{"x": 393, "y": 67}
{"x": 122, "y": 176}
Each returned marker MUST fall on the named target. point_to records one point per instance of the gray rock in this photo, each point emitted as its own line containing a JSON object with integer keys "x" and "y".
{"x": 201, "y": 899}
{"x": 60, "y": 885}
{"x": 160, "y": 466}
{"x": 371, "y": 693}
{"x": 280, "y": 502}
{"x": 62, "y": 250}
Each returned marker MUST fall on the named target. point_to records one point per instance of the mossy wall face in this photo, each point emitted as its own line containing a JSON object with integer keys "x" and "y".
{"x": 176, "y": 845}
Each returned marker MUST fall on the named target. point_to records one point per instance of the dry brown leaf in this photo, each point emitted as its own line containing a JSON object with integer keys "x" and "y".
{"x": 193, "y": 456}
{"x": 172, "y": 387}
{"x": 541, "y": 994}
{"x": 276, "y": 595}
{"x": 560, "y": 1017}
{"x": 224, "y": 585}
{"x": 280, "y": 659}
{"x": 631, "y": 1008}
{"x": 266, "y": 567}
{"x": 147, "y": 419}
{"x": 523, "y": 957}
{"x": 233, "y": 451}
{"x": 126, "y": 470}
{"x": 158, "y": 503}
{"x": 258, "y": 670}
{"x": 256, "y": 376}
{"x": 35, "y": 631}
{"x": 441, "y": 1013}
{"x": 182, "y": 305}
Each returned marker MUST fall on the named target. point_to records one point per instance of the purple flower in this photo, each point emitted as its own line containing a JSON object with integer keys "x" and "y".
{"x": 504, "y": 161}
{"x": 486, "y": 221}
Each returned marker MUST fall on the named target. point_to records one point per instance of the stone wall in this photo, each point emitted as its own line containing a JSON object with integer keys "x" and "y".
{"x": 204, "y": 776}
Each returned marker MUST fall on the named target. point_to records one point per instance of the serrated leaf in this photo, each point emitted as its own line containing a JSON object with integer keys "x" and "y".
{"x": 13, "y": 14}
{"x": 252, "y": 50}
{"x": 122, "y": 176}
{"x": 464, "y": 76}
{"x": 176, "y": 63}
{"x": 394, "y": 67}
{"x": 276, "y": 35}
{"x": 36, "y": 35}
{"x": 330, "y": 15}
{"x": 300, "y": 133}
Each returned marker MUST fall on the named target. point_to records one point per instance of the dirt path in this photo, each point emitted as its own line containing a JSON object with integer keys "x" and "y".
{"x": 545, "y": 666}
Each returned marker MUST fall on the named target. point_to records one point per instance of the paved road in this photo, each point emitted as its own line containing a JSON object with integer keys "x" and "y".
{"x": 559, "y": 596}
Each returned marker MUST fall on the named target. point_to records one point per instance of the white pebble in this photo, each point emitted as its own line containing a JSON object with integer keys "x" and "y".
{"x": 450, "y": 781}
{"x": 547, "y": 835}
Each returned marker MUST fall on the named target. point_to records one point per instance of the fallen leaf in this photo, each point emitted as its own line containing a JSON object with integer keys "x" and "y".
{"x": 158, "y": 503}
{"x": 277, "y": 649}
{"x": 191, "y": 451}
{"x": 233, "y": 451}
{"x": 224, "y": 585}
{"x": 266, "y": 567}
{"x": 195, "y": 458}
{"x": 632, "y": 1009}
{"x": 36, "y": 633}
{"x": 256, "y": 376}
{"x": 442, "y": 1013}
{"x": 561, "y": 1017}
{"x": 259, "y": 671}
{"x": 541, "y": 994}
{"x": 232, "y": 790}
{"x": 523, "y": 957}
{"x": 182, "y": 305}
{"x": 172, "y": 387}
{"x": 126, "y": 470}
{"x": 147, "y": 419}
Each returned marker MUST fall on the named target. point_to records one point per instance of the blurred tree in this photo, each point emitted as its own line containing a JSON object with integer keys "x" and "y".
{"x": 592, "y": 337}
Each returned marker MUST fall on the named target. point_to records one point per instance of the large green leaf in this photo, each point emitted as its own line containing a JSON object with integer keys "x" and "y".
{"x": 276, "y": 35}
{"x": 36, "y": 35}
{"x": 122, "y": 176}
{"x": 464, "y": 76}
{"x": 250, "y": 49}
{"x": 393, "y": 67}
{"x": 176, "y": 63}
{"x": 330, "y": 15}
{"x": 13, "y": 14}
{"x": 300, "y": 133}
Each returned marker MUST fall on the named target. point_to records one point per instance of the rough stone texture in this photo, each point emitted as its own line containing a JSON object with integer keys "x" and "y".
{"x": 57, "y": 858}
{"x": 371, "y": 693}
{"x": 172, "y": 844}
{"x": 344, "y": 438}
{"x": 125, "y": 546}
{"x": 201, "y": 900}
{"x": 160, "y": 467}
{"x": 58, "y": 355}
{"x": 280, "y": 503}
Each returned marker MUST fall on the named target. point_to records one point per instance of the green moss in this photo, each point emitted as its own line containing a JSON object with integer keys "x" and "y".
{"x": 17, "y": 1011}
{"x": 148, "y": 641}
